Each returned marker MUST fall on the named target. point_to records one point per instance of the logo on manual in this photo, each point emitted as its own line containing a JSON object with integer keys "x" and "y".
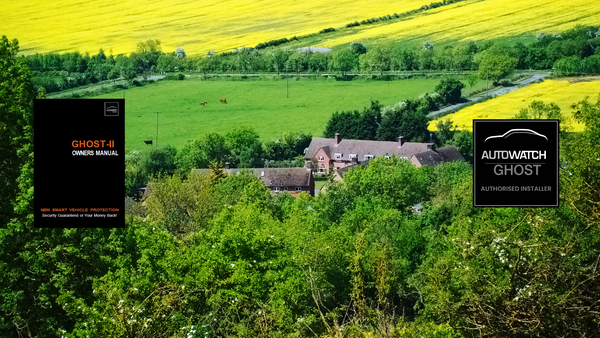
{"x": 111, "y": 108}
{"x": 515, "y": 163}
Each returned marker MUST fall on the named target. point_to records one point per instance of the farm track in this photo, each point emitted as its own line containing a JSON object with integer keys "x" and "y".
{"x": 96, "y": 87}
{"x": 159, "y": 77}
{"x": 494, "y": 93}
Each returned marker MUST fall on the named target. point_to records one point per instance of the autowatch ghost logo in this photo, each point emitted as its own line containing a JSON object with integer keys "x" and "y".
{"x": 515, "y": 162}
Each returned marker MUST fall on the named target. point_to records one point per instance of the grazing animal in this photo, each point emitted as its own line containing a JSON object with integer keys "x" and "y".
{"x": 202, "y": 103}
{"x": 223, "y": 100}
{"x": 148, "y": 142}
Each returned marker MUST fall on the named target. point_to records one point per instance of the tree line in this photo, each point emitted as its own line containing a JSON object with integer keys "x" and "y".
{"x": 572, "y": 52}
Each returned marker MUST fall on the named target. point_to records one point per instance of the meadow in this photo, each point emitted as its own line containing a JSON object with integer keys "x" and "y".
{"x": 260, "y": 104}
{"x": 561, "y": 92}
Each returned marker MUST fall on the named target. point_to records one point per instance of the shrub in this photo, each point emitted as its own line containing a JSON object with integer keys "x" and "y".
{"x": 178, "y": 76}
{"x": 450, "y": 89}
{"x": 505, "y": 83}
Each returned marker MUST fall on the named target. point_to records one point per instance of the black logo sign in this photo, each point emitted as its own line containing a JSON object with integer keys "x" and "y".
{"x": 515, "y": 163}
{"x": 111, "y": 108}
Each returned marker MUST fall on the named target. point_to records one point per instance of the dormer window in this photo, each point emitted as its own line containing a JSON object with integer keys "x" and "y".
{"x": 337, "y": 156}
{"x": 387, "y": 156}
{"x": 352, "y": 156}
{"x": 368, "y": 157}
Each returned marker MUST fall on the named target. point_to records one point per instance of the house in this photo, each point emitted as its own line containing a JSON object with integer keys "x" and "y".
{"x": 292, "y": 180}
{"x": 436, "y": 156}
{"x": 338, "y": 175}
{"x": 324, "y": 153}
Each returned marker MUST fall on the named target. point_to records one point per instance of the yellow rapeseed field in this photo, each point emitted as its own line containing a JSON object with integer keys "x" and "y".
{"x": 196, "y": 26}
{"x": 563, "y": 93}
{"x": 481, "y": 20}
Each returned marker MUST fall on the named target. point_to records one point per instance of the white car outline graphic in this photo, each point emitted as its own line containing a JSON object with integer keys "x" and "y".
{"x": 517, "y": 131}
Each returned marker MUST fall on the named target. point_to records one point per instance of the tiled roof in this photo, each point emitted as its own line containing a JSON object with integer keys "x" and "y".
{"x": 362, "y": 148}
{"x": 274, "y": 177}
{"x": 344, "y": 170}
{"x": 437, "y": 156}
{"x": 450, "y": 153}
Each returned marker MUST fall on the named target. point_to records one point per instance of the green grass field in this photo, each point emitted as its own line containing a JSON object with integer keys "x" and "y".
{"x": 260, "y": 104}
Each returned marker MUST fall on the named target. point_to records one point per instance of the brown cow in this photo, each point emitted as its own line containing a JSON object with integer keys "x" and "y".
{"x": 223, "y": 100}
{"x": 202, "y": 103}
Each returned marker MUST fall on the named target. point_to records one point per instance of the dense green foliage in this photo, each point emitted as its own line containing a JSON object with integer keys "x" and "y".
{"x": 240, "y": 148}
{"x": 355, "y": 125}
{"x": 215, "y": 255}
{"x": 450, "y": 90}
{"x": 16, "y": 122}
{"x": 407, "y": 119}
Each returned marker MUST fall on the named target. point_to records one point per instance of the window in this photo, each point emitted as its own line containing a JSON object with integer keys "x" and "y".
{"x": 337, "y": 156}
{"x": 298, "y": 189}
{"x": 387, "y": 156}
{"x": 276, "y": 189}
{"x": 351, "y": 156}
{"x": 284, "y": 189}
{"x": 368, "y": 157}
{"x": 321, "y": 170}
{"x": 321, "y": 158}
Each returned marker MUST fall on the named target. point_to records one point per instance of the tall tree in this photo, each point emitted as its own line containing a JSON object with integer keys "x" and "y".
{"x": 495, "y": 64}
{"x": 355, "y": 125}
{"x": 344, "y": 61}
{"x": 450, "y": 89}
{"x": 16, "y": 122}
{"x": 404, "y": 120}
{"x": 582, "y": 154}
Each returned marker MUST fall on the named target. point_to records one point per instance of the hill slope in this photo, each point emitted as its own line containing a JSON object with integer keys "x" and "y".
{"x": 480, "y": 20}
{"x": 87, "y": 25}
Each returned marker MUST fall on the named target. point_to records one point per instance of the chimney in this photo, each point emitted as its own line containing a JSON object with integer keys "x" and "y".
{"x": 337, "y": 138}
{"x": 400, "y": 141}
{"x": 430, "y": 146}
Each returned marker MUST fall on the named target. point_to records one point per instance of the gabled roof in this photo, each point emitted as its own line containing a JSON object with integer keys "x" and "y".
{"x": 344, "y": 170}
{"x": 273, "y": 177}
{"x": 450, "y": 153}
{"x": 437, "y": 156}
{"x": 326, "y": 150}
{"x": 363, "y": 147}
